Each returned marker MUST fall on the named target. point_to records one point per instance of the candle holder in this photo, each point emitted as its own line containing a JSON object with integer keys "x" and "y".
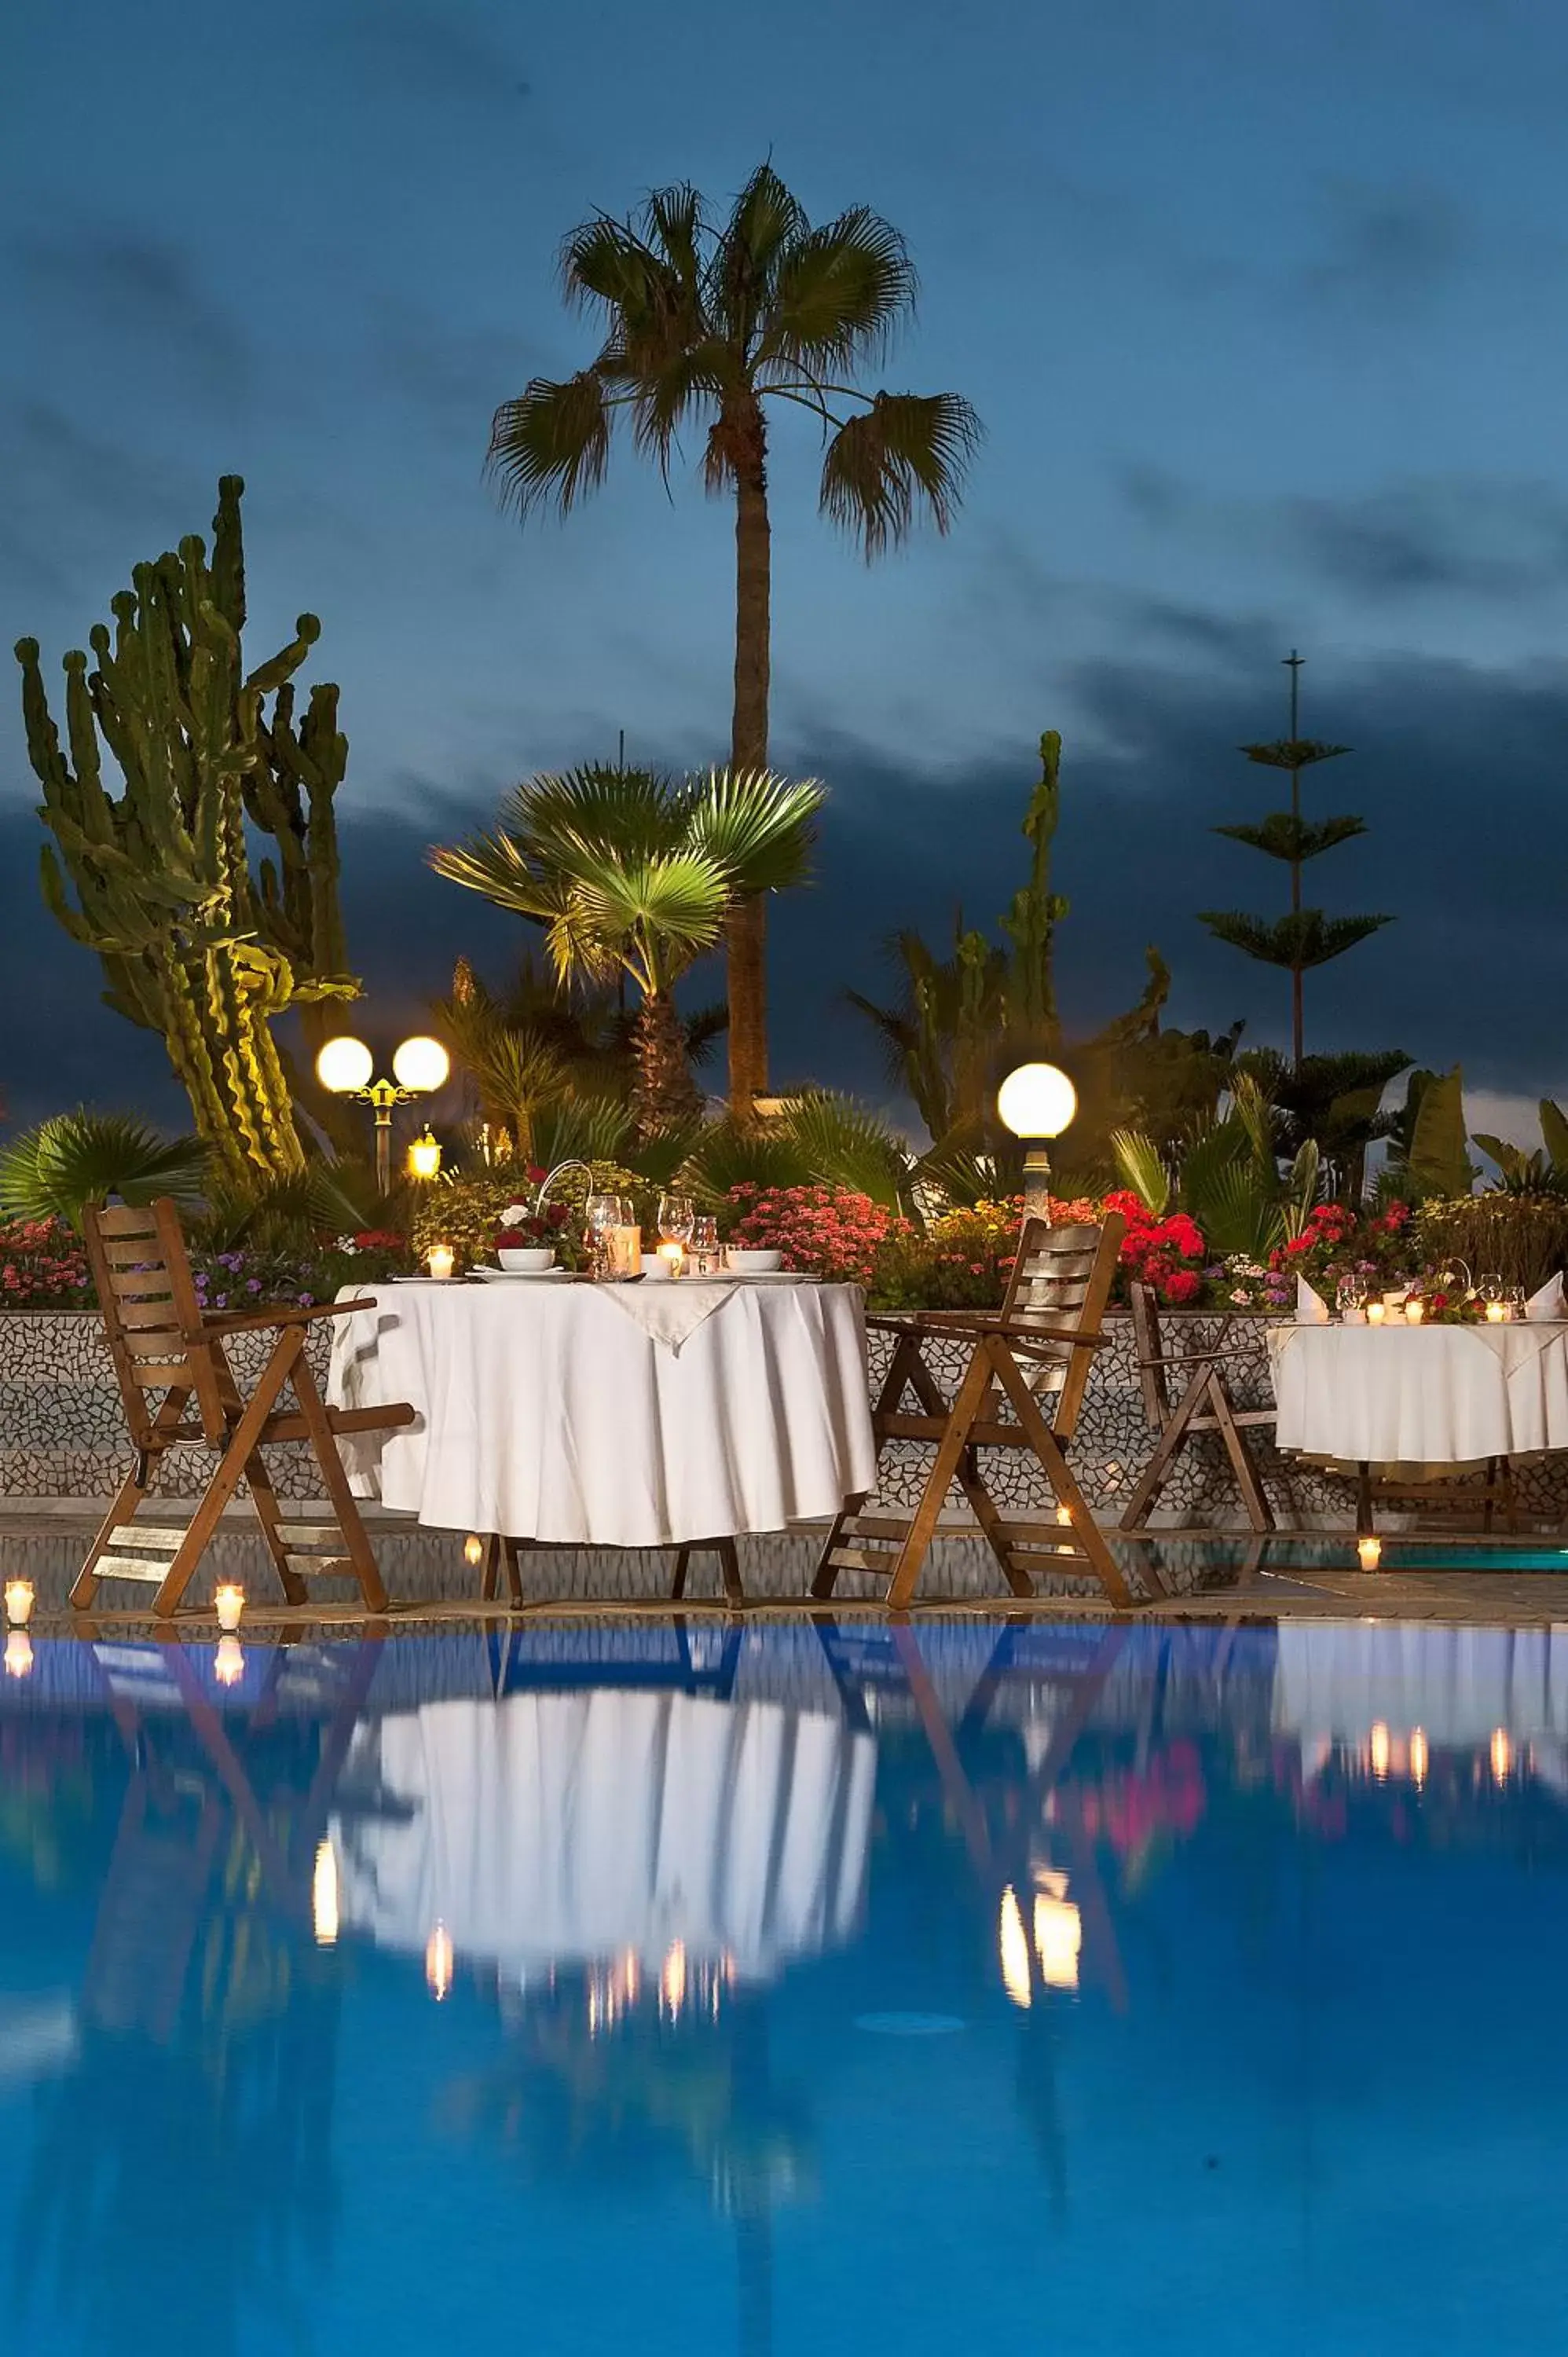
{"x": 18, "y": 1602}
{"x": 229, "y": 1603}
{"x": 1376, "y": 1313}
{"x": 441, "y": 1261}
{"x": 1370, "y": 1553}
{"x": 1415, "y": 1310}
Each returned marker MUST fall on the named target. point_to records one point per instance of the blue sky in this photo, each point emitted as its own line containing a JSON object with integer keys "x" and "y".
{"x": 1262, "y": 309}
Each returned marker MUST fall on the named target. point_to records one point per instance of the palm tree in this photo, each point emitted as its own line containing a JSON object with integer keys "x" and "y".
{"x": 629, "y": 872}
{"x": 705, "y": 322}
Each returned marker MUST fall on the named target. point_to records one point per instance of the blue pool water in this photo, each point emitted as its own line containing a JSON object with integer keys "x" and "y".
{"x": 820, "y": 1989}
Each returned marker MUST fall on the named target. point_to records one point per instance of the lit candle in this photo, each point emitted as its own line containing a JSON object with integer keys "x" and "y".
{"x": 18, "y": 1602}
{"x": 1496, "y": 1313}
{"x": 229, "y": 1662}
{"x": 229, "y": 1603}
{"x": 626, "y": 1251}
{"x": 18, "y": 1653}
{"x": 473, "y": 1548}
{"x": 1415, "y": 1310}
{"x": 1370, "y": 1552}
{"x": 438, "y": 1963}
{"x": 675, "y": 1255}
{"x": 441, "y": 1260}
{"x": 1376, "y": 1313}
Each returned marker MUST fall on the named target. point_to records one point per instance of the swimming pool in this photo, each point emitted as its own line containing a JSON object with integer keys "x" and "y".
{"x": 819, "y": 1987}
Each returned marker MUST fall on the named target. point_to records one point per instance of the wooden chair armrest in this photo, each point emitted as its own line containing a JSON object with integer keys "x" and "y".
{"x": 249, "y": 1321}
{"x": 1173, "y": 1360}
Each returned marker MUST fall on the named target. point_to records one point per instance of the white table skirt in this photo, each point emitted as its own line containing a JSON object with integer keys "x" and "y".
{"x": 557, "y": 1828}
{"x": 1403, "y": 1394}
{"x": 545, "y": 1412}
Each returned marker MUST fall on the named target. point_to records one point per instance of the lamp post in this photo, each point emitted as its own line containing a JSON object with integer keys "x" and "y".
{"x": 346, "y": 1065}
{"x": 1036, "y": 1103}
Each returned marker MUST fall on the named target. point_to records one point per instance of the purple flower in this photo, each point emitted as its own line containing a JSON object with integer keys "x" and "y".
{"x": 252, "y": 1285}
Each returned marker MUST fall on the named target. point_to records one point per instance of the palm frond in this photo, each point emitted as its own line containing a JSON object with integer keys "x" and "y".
{"x": 661, "y": 912}
{"x": 1141, "y": 1165}
{"x": 497, "y": 866}
{"x": 764, "y": 222}
{"x": 75, "y": 1158}
{"x": 635, "y": 812}
{"x": 844, "y": 1145}
{"x": 841, "y": 292}
{"x": 754, "y": 824}
{"x": 581, "y": 1129}
{"x": 906, "y": 449}
{"x": 551, "y": 445}
{"x": 672, "y": 393}
{"x": 726, "y": 1156}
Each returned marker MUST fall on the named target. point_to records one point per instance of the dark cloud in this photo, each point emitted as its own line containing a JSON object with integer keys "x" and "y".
{"x": 76, "y": 501}
{"x": 1472, "y": 971}
{"x": 455, "y": 378}
{"x": 1386, "y": 246}
{"x": 1464, "y": 536}
{"x": 146, "y": 295}
{"x": 443, "y": 52}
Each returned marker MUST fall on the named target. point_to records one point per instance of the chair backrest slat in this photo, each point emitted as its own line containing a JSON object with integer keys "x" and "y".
{"x": 152, "y": 1315}
{"x": 1062, "y": 1276}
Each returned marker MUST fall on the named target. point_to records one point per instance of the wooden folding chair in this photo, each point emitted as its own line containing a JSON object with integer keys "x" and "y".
{"x": 1031, "y": 1356}
{"x": 161, "y": 1339}
{"x": 1204, "y": 1405}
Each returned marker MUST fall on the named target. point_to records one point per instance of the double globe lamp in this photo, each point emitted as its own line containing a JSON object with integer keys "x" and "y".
{"x": 419, "y": 1068}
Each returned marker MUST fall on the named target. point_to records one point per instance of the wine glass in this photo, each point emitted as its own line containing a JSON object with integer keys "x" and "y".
{"x": 705, "y": 1245}
{"x": 677, "y": 1217}
{"x": 1350, "y": 1297}
{"x": 1515, "y": 1300}
{"x": 605, "y": 1214}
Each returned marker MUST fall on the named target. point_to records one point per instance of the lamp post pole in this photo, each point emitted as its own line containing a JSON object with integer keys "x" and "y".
{"x": 1036, "y": 1103}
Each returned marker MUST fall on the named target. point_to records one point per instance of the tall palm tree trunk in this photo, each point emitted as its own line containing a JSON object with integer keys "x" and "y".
{"x": 746, "y": 930}
{"x": 664, "y": 1095}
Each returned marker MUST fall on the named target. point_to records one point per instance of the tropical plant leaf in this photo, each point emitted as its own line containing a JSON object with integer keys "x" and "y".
{"x": 754, "y": 824}
{"x": 1142, "y": 1167}
{"x": 75, "y": 1158}
{"x": 1437, "y": 1164}
{"x": 905, "y": 450}
{"x": 1234, "y": 1212}
{"x": 1554, "y": 1134}
{"x": 844, "y": 1144}
{"x": 726, "y": 1155}
{"x": 551, "y": 445}
{"x": 1283, "y": 836}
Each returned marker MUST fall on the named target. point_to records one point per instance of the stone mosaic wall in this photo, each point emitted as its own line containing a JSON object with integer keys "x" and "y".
{"x": 62, "y": 1435}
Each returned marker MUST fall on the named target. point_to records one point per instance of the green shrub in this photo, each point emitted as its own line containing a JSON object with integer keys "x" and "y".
{"x": 1523, "y": 1239}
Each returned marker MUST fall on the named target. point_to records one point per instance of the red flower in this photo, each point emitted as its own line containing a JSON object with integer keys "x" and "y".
{"x": 1182, "y": 1285}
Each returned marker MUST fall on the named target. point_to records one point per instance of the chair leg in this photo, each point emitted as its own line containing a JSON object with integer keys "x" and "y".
{"x": 373, "y": 1588}
{"x": 1049, "y": 1449}
{"x": 1171, "y": 1440}
{"x": 982, "y": 1505}
{"x": 729, "y": 1570}
{"x": 137, "y": 1485}
{"x": 264, "y": 1498}
{"x": 490, "y": 1586}
{"x": 510, "y": 1551}
{"x": 1260, "y": 1514}
{"x": 905, "y": 1366}
{"x": 923, "y": 1523}
{"x": 230, "y": 1468}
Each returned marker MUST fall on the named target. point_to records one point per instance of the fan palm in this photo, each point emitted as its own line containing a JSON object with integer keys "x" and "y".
{"x": 75, "y": 1158}
{"x": 630, "y": 872}
{"x": 706, "y": 322}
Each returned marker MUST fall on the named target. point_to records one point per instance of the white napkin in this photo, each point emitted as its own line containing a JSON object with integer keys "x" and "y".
{"x": 1310, "y": 1309}
{"x": 1549, "y": 1302}
{"x": 668, "y": 1309}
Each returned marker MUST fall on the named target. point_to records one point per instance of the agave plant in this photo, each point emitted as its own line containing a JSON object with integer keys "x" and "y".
{"x": 55, "y": 1170}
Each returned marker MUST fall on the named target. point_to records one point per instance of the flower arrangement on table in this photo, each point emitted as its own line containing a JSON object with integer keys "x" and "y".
{"x": 520, "y": 1227}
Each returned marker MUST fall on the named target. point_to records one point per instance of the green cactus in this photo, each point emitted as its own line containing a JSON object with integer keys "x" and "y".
{"x": 192, "y": 945}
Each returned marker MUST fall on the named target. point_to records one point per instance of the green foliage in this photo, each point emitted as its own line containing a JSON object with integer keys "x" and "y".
{"x": 1520, "y": 1238}
{"x": 461, "y": 1209}
{"x": 1227, "y": 1175}
{"x": 707, "y": 320}
{"x": 1429, "y": 1138}
{"x": 55, "y": 1170}
{"x": 627, "y": 872}
{"x": 1334, "y": 1101}
{"x": 292, "y": 1213}
{"x": 192, "y": 945}
{"x": 1545, "y": 1172}
{"x": 1296, "y": 943}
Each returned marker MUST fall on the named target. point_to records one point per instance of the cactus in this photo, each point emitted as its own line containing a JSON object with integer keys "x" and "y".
{"x": 192, "y": 945}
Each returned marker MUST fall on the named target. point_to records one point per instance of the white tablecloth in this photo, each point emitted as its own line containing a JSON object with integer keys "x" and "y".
{"x": 560, "y": 1828}
{"x": 1402, "y": 1395}
{"x": 544, "y": 1411}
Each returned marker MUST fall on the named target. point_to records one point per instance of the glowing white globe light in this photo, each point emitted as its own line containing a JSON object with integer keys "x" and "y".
{"x": 421, "y": 1064}
{"x": 1037, "y": 1100}
{"x": 344, "y": 1064}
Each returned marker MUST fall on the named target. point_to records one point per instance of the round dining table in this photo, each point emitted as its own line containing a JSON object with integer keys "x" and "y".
{"x": 602, "y": 1415}
{"x": 1403, "y": 1394}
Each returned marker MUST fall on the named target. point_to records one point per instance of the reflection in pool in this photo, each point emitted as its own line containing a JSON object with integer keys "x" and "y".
{"x": 826, "y": 1987}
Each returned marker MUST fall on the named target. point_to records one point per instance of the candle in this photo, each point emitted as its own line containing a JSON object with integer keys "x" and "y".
{"x": 1415, "y": 1310}
{"x": 441, "y": 1260}
{"x": 229, "y": 1603}
{"x": 473, "y": 1548}
{"x": 1496, "y": 1313}
{"x": 1370, "y": 1552}
{"x": 438, "y": 1961}
{"x": 675, "y": 1255}
{"x": 1376, "y": 1313}
{"x": 18, "y": 1653}
{"x": 18, "y": 1602}
{"x": 229, "y": 1662}
{"x": 626, "y": 1251}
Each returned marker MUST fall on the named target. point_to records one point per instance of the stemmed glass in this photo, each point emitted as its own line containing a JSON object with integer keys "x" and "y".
{"x": 1350, "y": 1297}
{"x": 1515, "y": 1300}
{"x": 677, "y": 1217}
{"x": 605, "y": 1214}
{"x": 705, "y": 1245}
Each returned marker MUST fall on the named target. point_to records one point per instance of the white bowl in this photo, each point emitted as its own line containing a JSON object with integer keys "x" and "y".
{"x": 526, "y": 1260}
{"x": 755, "y": 1264}
{"x": 657, "y": 1270}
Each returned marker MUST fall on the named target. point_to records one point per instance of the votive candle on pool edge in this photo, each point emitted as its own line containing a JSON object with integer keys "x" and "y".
{"x": 18, "y": 1602}
{"x": 441, "y": 1260}
{"x": 1376, "y": 1313}
{"x": 1370, "y": 1552}
{"x": 229, "y": 1603}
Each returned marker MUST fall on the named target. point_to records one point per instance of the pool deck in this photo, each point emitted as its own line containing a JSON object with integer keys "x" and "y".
{"x": 1459, "y": 1579}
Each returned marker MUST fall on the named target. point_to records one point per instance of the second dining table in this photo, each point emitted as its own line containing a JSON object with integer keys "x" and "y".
{"x": 1422, "y": 1395}
{"x": 619, "y": 1415}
